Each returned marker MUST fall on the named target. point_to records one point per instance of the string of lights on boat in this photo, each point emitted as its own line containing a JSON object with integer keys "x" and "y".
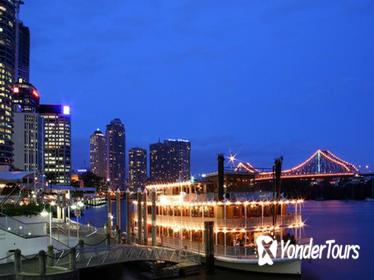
{"x": 185, "y": 204}
{"x": 178, "y": 227}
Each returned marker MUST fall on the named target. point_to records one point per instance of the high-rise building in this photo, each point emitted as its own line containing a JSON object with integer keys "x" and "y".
{"x": 170, "y": 161}
{"x": 115, "y": 154}
{"x": 7, "y": 60}
{"x": 22, "y": 63}
{"x": 97, "y": 153}
{"x": 137, "y": 168}
{"x": 57, "y": 143}
{"x": 27, "y": 129}
{"x": 180, "y": 153}
{"x": 159, "y": 162}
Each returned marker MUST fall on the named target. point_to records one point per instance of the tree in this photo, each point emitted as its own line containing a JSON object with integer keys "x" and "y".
{"x": 92, "y": 180}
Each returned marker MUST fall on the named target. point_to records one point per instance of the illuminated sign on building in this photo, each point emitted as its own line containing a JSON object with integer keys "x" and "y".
{"x": 66, "y": 110}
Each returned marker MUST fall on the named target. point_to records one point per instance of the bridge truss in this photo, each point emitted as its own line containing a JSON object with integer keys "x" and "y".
{"x": 321, "y": 163}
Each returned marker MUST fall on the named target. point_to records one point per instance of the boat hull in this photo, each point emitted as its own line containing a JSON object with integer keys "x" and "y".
{"x": 280, "y": 266}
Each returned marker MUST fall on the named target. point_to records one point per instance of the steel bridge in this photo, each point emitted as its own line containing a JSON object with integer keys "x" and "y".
{"x": 320, "y": 164}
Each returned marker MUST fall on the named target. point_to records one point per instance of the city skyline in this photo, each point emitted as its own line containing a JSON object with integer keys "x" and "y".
{"x": 172, "y": 139}
{"x": 234, "y": 108}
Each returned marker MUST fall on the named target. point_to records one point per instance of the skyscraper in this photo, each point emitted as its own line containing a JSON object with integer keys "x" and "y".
{"x": 137, "y": 168}
{"x": 57, "y": 143}
{"x": 97, "y": 153}
{"x": 170, "y": 161}
{"x": 22, "y": 62}
{"x": 7, "y": 59}
{"x": 159, "y": 162}
{"x": 115, "y": 154}
{"x": 27, "y": 129}
{"x": 180, "y": 166}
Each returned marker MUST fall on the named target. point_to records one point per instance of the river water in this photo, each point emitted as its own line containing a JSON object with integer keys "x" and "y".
{"x": 347, "y": 222}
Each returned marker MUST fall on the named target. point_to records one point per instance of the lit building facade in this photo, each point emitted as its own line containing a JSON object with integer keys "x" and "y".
{"x": 159, "y": 162}
{"x": 97, "y": 153}
{"x": 137, "y": 168}
{"x": 115, "y": 154}
{"x": 57, "y": 143}
{"x": 7, "y": 60}
{"x": 27, "y": 129}
{"x": 180, "y": 159}
{"x": 25, "y": 97}
{"x": 170, "y": 161}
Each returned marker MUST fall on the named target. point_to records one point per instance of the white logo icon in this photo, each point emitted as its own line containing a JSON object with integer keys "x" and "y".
{"x": 267, "y": 249}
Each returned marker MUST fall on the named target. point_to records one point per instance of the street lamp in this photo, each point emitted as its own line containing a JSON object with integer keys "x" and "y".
{"x": 44, "y": 214}
{"x": 77, "y": 206}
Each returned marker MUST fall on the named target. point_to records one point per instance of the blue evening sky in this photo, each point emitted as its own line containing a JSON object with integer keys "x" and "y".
{"x": 258, "y": 78}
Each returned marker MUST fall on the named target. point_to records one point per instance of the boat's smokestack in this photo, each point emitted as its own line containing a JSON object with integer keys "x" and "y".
{"x": 221, "y": 161}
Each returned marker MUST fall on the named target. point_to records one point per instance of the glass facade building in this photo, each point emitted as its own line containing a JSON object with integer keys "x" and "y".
{"x": 137, "y": 168}
{"x": 97, "y": 153}
{"x": 170, "y": 161}
{"x": 23, "y": 52}
{"x": 57, "y": 143}
{"x": 7, "y": 69}
{"x": 27, "y": 129}
{"x": 115, "y": 154}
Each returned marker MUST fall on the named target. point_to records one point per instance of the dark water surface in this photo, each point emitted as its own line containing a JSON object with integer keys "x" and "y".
{"x": 347, "y": 222}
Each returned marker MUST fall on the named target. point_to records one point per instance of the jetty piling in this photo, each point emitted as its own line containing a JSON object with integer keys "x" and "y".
{"x": 209, "y": 248}
{"x": 145, "y": 230}
{"x": 72, "y": 259}
{"x": 109, "y": 216}
{"x": 50, "y": 259}
{"x": 118, "y": 210}
{"x": 42, "y": 263}
{"x": 153, "y": 197}
{"x": 17, "y": 262}
{"x": 127, "y": 217}
{"x": 139, "y": 210}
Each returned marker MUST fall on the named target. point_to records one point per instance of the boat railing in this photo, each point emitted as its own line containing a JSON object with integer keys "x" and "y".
{"x": 242, "y": 223}
{"x": 192, "y": 197}
{"x": 199, "y": 197}
{"x": 238, "y": 251}
{"x": 219, "y": 250}
{"x": 235, "y": 251}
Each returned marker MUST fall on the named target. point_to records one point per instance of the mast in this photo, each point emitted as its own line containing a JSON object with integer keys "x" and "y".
{"x": 277, "y": 172}
{"x": 220, "y": 181}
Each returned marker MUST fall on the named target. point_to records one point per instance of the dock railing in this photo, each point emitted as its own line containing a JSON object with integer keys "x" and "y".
{"x": 22, "y": 228}
{"x": 90, "y": 255}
